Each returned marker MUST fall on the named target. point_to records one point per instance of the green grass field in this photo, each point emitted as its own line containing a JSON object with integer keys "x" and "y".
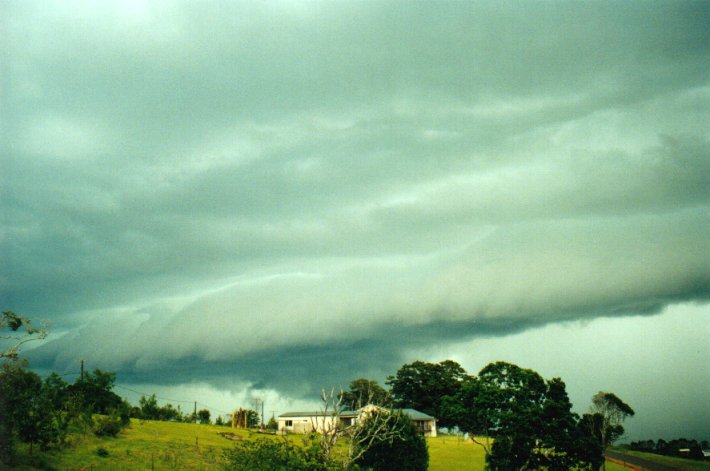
{"x": 453, "y": 453}
{"x": 677, "y": 463}
{"x": 149, "y": 445}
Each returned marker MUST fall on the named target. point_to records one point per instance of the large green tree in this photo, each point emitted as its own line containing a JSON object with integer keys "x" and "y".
{"x": 364, "y": 391}
{"x": 26, "y": 409}
{"x": 203, "y": 416}
{"x": 423, "y": 386}
{"x": 20, "y": 390}
{"x": 529, "y": 419}
{"x": 60, "y": 409}
{"x": 149, "y": 409}
{"x": 510, "y": 399}
{"x": 94, "y": 390}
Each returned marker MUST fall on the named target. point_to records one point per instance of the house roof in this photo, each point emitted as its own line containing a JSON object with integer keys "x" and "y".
{"x": 412, "y": 413}
{"x": 416, "y": 415}
{"x": 343, "y": 413}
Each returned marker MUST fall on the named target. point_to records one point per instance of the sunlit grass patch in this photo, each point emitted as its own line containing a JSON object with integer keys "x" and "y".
{"x": 147, "y": 445}
{"x": 449, "y": 452}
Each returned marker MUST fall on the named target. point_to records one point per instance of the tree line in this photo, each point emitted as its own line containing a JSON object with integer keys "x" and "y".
{"x": 678, "y": 447}
{"x": 46, "y": 412}
{"x": 521, "y": 420}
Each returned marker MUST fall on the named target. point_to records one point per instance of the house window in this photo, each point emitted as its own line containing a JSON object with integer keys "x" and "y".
{"x": 289, "y": 423}
{"x": 346, "y": 421}
{"x": 423, "y": 426}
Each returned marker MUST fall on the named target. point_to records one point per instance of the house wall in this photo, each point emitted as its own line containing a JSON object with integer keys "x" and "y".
{"x": 427, "y": 426}
{"x": 306, "y": 424}
{"x": 319, "y": 423}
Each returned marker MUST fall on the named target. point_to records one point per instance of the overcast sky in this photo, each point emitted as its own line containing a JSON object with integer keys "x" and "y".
{"x": 225, "y": 199}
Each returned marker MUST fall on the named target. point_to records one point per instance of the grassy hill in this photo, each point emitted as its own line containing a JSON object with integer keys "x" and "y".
{"x": 151, "y": 445}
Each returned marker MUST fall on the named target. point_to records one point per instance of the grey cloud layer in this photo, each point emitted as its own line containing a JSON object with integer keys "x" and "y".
{"x": 224, "y": 183}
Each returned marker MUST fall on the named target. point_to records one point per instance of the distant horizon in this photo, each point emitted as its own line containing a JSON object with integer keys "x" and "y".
{"x": 229, "y": 199}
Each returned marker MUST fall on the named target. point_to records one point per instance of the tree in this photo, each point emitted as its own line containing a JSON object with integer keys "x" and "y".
{"x": 26, "y": 409}
{"x": 19, "y": 389}
{"x": 423, "y": 386}
{"x": 529, "y": 419}
{"x": 95, "y": 390}
{"x": 252, "y": 418}
{"x": 55, "y": 390}
{"x": 272, "y": 424}
{"x": 329, "y": 424}
{"x": 331, "y": 429}
{"x": 149, "y": 407}
{"x": 562, "y": 443}
{"x": 607, "y": 414}
{"x": 364, "y": 391}
{"x": 203, "y": 416}
{"x": 245, "y": 418}
{"x": 169, "y": 413}
{"x": 511, "y": 400}
{"x": 387, "y": 440}
{"x": 20, "y": 332}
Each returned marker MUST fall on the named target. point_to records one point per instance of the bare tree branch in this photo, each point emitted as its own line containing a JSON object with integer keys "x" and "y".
{"x": 22, "y": 331}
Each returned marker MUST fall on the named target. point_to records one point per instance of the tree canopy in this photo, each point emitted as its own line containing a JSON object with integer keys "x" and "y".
{"x": 529, "y": 419}
{"x": 605, "y": 417}
{"x": 364, "y": 391}
{"x": 95, "y": 390}
{"x": 423, "y": 386}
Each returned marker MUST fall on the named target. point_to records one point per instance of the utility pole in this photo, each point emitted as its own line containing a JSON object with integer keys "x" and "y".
{"x": 195, "y": 414}
{"x": 82, "y": 371}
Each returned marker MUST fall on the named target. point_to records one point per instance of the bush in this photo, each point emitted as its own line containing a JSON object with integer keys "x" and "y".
{"x": 390, "y": 441}
{"x": 107, "y": 426}
{"x": 273, "y": 455}
{"x": 102, "y": 452}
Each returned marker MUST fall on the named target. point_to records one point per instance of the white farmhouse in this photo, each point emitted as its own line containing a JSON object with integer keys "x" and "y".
{"x": 305, "y": 422}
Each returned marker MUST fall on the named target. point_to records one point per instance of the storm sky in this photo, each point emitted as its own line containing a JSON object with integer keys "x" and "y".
{"x": 229, "y": 199}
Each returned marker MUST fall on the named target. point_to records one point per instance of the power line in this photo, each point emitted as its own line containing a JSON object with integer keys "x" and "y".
{"x": 207, "y": 406}
{"x": 151, "y": 394}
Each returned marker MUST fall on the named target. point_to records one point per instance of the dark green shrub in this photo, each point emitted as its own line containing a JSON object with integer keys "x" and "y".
{"x": 274, "y": 455}
{"x": 107, "y": 425}
{"x": 390, "y": 441}
{"x": 102, "y": 452}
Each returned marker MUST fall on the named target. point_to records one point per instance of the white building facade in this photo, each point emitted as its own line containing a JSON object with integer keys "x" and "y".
{"x": 306, "y": 422}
